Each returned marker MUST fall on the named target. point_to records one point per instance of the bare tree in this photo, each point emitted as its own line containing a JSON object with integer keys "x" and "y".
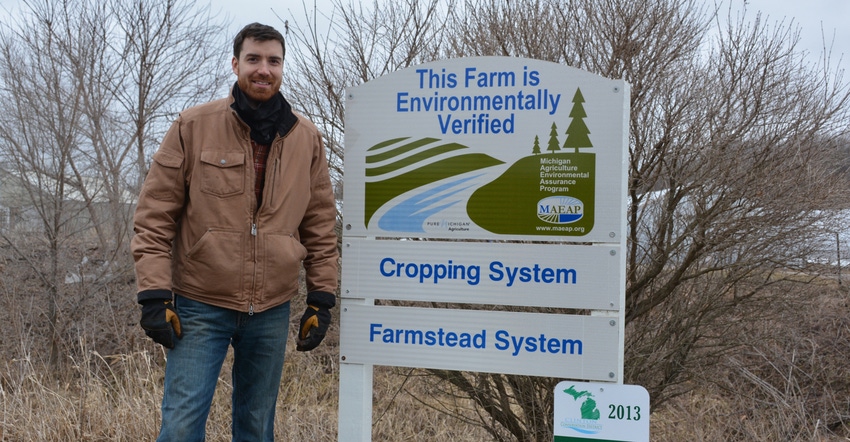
{"x": 69, "y": 141}
{"x": 731, "y": 172}
{"x": 43, "y": 113}
{"x": 359, "y": 44}
{"x": 171, "y": 54}
{"x": 732, "y": 188}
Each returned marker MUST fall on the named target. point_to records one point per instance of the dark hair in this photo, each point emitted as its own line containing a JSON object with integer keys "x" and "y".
{"x": 258, "y": 32}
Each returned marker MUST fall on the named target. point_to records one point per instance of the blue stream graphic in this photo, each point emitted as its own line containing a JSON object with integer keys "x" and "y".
{"x": 410, "y": 215}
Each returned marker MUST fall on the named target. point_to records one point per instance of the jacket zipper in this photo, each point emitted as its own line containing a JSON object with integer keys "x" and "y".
{"x": 254, "y": 259}
{"x": 269, "y": 184}
{"x": 255, "y": 221}
{"x": 253, "y": 235}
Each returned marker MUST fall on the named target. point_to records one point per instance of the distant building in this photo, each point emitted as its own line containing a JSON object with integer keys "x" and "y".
{"x": 27, "y": 199}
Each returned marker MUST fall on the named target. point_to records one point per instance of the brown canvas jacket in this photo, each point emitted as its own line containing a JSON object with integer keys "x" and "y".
{"x": 199, "y": 232}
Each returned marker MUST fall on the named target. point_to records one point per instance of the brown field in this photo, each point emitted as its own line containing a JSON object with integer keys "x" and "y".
{"x": 791, "y": 384}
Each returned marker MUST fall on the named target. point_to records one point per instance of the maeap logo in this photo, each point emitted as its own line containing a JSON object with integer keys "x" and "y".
{"x": 560, "y": 209}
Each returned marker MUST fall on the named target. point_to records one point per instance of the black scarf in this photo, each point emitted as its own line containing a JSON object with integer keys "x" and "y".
{"x": 270, "y": 118}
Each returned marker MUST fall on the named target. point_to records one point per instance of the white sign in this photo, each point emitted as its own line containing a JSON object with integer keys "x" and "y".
{"x": 593, "y": 411}
{"x": 487, "y": 147}
{"x": 444, "y": 163}
{"x": 568, "y": 276}
{"x": 535, "y": 344}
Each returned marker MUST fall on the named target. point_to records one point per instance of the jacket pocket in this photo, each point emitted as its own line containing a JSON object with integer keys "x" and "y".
{"x": 214, "y": 263}
{"x": 164, "y": 179}
{"x": 283, "y": 254}
{"x": 271, "y": 185}
{"x": 222, "y": 173}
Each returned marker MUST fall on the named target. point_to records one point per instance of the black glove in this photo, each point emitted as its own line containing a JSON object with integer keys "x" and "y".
{"x": 315, "y": 321}
{"x": 160, "y": 321}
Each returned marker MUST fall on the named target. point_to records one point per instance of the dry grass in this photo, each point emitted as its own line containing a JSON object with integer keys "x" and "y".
{"x": 791, "y": 384}
{"x": 117, "y": 398}
{"x": 108, "y": 399}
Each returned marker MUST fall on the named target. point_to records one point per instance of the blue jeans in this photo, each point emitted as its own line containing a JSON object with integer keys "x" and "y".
{"x": 194, "y": 364}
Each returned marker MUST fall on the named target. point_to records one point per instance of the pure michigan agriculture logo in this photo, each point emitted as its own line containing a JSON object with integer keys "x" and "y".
{"x": 585, "y": 416}
{"x": 550, "y": 191}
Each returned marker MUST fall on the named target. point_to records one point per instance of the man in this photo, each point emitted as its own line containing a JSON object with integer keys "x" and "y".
{"x": 238, "y": 196}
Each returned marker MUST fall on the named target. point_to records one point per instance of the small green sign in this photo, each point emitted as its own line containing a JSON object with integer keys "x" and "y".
{"x": 601, "y": 412}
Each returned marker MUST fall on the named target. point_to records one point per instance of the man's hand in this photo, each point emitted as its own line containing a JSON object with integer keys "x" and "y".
{"x": 315, "y": 321}
{"x": 160, "y": 321}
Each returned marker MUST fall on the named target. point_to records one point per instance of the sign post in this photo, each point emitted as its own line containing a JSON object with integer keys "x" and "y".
{"x": 484, "y": 181}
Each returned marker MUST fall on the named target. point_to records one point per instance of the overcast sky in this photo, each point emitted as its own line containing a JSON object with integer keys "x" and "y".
{"x": 813, "y": 17}
{"x": 817, "y": 18}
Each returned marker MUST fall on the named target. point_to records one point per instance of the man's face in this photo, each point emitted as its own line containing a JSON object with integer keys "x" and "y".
{"x": 259, "y": 68}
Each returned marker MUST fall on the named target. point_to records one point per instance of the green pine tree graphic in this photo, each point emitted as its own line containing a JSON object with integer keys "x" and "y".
{"x": 577, "y": 132}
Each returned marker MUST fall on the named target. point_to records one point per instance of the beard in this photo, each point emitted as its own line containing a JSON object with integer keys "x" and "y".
{"x": 258, "y": 93}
